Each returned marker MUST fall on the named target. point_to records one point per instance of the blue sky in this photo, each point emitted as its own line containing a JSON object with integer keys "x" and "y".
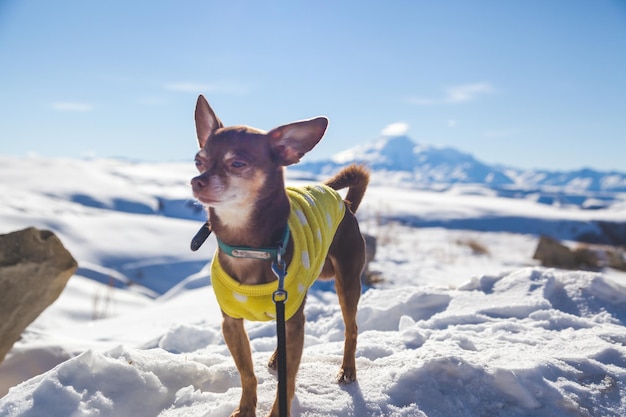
{"x": 528, "y": 83}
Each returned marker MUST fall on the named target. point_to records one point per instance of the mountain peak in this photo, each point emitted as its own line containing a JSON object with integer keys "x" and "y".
{"x": 401, "y": 153}
{"x": 395, "y": 152}
{"x": 396, "y": 141}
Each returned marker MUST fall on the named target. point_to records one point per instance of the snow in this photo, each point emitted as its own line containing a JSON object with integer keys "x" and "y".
{"x": 450, "y": 330}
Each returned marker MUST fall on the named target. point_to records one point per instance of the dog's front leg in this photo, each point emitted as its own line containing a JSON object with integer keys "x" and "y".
{"x": 294, "y": 332}
{"x": 239, "y": 345}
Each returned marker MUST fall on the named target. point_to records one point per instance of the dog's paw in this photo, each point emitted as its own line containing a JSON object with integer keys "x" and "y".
{"x": 273, "y": 362}
{"x": 244, "y": 412}
{"x": 346, "y": 375}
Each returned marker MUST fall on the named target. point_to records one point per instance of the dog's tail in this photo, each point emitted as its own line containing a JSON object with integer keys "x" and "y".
{"x": 355, "y": 178}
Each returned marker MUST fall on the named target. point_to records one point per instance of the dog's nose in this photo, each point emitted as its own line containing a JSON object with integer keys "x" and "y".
{"x": 197, "y": 183}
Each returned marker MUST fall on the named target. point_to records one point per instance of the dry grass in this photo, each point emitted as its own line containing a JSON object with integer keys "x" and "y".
{"x": 476, "y": 247}
{"x": 101, "y": 303}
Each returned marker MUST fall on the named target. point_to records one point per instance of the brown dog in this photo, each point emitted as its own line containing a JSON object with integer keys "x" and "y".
{"x": 252, "y": 213}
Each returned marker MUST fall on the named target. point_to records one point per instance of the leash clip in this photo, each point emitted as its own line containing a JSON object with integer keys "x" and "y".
{"x": 278, "y": 268}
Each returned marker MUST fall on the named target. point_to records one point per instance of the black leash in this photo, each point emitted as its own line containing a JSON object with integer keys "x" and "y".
{"x": 279, "y": 297}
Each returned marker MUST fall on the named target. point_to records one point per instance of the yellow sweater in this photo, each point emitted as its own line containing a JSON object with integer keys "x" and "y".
{"x": 316, "y": 212}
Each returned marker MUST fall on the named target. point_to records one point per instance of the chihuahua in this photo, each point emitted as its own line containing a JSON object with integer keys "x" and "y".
{"x": 254, "y": 216}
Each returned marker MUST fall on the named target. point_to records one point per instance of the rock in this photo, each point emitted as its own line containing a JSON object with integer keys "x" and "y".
{"x": 617, "y": 259}
{"x": 34, "y": 268}
{"x": 586, "y": 256}
{"x": 552, "y": 253}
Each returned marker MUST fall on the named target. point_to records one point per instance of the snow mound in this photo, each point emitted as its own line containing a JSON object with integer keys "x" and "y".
{"x": 533, "y": 341}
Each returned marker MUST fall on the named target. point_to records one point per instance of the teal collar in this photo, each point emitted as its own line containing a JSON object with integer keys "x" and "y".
{"x": 257, "y": 253}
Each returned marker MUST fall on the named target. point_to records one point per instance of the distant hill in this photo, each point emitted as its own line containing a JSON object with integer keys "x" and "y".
{"x": 398, "y": 160}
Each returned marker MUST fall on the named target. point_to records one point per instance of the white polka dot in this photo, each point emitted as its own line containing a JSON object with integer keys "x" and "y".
{"x": 309, "y": 200}
{"x": 240, "y": 297}
{"x": 319, "y": 235}
{"x": 301, "y": 288}
{"x": 301, "y": 217}
{"x": 305, "y": 259}
{"x": 329, "y": 220}
{"x": 270, "y": 315}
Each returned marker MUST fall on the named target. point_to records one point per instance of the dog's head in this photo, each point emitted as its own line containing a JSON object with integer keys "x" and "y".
{"x": 239, "y": 164}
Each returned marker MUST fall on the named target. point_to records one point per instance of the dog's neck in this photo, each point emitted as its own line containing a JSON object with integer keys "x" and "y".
{"x": 261, "y": 225}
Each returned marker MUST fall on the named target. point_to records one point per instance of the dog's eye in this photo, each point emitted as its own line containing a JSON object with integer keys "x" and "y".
{"x": 238, "y": 164}
{"x": 198, "y": 162}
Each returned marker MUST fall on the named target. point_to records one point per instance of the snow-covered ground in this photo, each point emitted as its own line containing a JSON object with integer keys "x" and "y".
{"x": 450, "y": 331}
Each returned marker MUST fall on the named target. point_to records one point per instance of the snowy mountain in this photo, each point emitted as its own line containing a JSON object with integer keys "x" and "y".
{"x": 429, "y": 165}
{"x": 403, "y": 161}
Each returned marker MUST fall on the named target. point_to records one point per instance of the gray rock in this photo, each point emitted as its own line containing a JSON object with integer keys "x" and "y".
{"x": 34, "y": 268}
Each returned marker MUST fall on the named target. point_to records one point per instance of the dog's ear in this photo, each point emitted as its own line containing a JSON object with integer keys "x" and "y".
{"x": 290, "y": 142}
{"x": 206, "y": 121}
